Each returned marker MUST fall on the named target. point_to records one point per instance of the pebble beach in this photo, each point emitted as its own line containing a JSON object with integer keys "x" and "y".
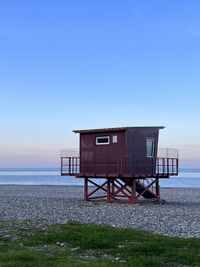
{"x": 177, "y": 215}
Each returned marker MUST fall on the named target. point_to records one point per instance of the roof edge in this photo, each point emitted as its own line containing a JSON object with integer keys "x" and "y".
{"x": 118, "y": 129}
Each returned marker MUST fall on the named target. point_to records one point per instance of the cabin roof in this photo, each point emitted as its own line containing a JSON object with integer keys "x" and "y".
{"x": 119, "y": 129}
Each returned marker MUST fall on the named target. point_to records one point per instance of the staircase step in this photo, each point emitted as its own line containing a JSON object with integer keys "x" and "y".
{"x": 147, "y": 194}
{"x": 140, "y": 188}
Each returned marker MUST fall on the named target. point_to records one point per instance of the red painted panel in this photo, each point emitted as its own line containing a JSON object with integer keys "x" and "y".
{"x": 104, "y": 158}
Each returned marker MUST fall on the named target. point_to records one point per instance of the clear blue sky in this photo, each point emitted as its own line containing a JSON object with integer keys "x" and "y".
{"x": 86, "y": 64}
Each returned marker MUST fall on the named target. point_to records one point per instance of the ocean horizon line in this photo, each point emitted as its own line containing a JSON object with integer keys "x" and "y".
{"x": 181, "y": 169}
{"x": 187, "y": 177}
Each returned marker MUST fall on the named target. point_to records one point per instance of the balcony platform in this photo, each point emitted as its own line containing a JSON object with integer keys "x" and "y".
{"x": 125, "y": 180}
{"x": 138, "y": 169}
{"x": 117, "y": 175}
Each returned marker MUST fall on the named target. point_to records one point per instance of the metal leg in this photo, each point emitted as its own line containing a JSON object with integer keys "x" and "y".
{"x": 86, "y": 189}
{"x": 91, "y": 188}
{"x": 133, "y": 199}
{"x": 122, "y": 190}
{"x": 108, "y": 190}
{"x": 157, "y": 189}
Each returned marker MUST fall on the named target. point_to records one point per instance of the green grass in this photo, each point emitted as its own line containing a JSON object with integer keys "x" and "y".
{"x": 77, "y": 245}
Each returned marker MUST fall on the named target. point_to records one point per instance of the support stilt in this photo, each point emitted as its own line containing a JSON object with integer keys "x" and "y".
{"x": 157, "y": 189}
{"x": 124, "y": 190}
{"x": 92, "y": 190}
{"x": 86, "y": 189}
{"x": 120, "y": 191}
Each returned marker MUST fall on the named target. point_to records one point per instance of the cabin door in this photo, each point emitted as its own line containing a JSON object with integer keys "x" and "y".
{"x": 150, "y": 156}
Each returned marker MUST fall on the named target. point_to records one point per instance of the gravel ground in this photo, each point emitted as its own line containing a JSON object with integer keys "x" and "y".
{"x": 178, "y": 216}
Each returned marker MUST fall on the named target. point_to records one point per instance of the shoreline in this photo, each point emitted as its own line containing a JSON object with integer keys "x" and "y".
{"x": 76, "y": 185}
{"x": 58, "y": 204}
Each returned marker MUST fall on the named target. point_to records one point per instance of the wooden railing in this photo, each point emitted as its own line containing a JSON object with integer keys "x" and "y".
{"x": 72, "y": 166}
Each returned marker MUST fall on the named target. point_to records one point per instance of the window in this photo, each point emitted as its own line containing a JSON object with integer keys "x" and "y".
{"x": 114, "y": 138}
{"x": 103, "y": 140}
{"x": 150, "y": 144}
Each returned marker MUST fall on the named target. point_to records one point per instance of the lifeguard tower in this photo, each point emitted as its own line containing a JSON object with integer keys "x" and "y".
{"x": 120, "y": 164}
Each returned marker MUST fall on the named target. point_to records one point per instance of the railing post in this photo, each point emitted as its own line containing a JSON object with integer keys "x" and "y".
{"x": 106, "y": 166}
{"x": 121, "y": 165}
{"x": 163, "y": 165}
{"x": 69, "y": 165}
{"x": 61, "y": 162}
{"x": 167, "y": 166}
{"x": 118, "y": 165}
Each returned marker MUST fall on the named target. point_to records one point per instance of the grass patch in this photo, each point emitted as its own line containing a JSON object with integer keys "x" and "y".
{"x": 76, "y": 244}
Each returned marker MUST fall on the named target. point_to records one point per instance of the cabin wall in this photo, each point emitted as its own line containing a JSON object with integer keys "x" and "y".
{"x": 101, "y": 158}
{"x": 127, "y": 156}
{"x": 136, "y": 150}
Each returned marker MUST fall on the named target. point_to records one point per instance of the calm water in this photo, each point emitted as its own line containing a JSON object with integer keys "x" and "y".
{"x": 186, "y": 178}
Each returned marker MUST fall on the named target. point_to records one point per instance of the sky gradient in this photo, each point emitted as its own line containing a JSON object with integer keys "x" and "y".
{"x": 68, "y": 65}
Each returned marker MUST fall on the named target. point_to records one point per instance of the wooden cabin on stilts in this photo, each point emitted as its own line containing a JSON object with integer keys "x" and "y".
{"x": 120, "y": 164}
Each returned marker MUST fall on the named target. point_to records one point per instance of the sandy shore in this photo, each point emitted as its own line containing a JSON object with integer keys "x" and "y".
{"x": 178, "y": 216}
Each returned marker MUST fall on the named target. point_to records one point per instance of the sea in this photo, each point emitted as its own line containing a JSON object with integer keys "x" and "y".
{"x": 189, "y": 178}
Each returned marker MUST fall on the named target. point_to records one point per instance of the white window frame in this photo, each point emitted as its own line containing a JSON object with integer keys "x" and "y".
{"x": 153, "y": 140}
{"x": 105, "y": 143}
